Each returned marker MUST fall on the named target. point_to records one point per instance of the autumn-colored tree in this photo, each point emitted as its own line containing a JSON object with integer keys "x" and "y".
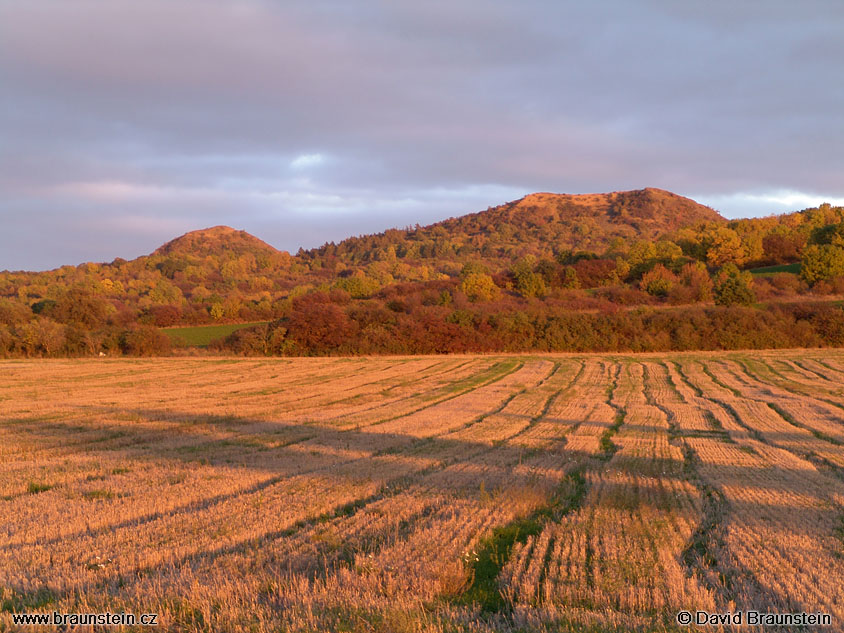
{"x": 593, "y": 272}
{"x": 145, "y": 340}
{"x": 316, "y": 325}
{"x": 723, "y": 246}
{"x": 164, "y": 315}
{"x": 696, "y": 279}
{"x": 13, "y": 312}
{"x": 80, "y": 307}
{"x": 569, "y": 278}
{"x": 42, "y": 337}
{"x": 479, "y": 287}
{"x": 658, "y": 281}
{"x": 783, "y": 248}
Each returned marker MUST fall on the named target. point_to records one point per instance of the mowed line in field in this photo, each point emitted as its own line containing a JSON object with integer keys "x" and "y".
{"x": 791, "y": 379}
{"x": 164, "y": 431}
{"x": 310, "y": 459}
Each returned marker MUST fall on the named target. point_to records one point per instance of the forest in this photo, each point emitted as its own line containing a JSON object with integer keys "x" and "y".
{"x": 645, "y": 270}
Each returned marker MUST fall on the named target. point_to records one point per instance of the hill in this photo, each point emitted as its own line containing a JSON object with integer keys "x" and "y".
{"x": 537, "y": 224}
{"x": 216, "y": 241}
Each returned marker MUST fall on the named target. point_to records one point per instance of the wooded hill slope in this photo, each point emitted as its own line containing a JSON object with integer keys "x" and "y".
{"x": 533, "y": 225}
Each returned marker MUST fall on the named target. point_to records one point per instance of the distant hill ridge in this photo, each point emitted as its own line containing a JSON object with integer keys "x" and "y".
{"x": 538, "y": 221}
{"x": 648, "y": 212}
{"x": 574, "y": 221}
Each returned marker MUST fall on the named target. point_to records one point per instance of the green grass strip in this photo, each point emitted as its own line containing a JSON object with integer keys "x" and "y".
{"x": 203, "y": 335}
{"x": 494, "y": 551}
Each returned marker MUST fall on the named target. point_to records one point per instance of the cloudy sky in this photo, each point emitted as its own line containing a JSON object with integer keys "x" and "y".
{"x": 124, "y": 123}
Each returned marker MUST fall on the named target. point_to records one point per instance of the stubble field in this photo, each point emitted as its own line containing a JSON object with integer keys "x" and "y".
{"x": 460, "y": 493}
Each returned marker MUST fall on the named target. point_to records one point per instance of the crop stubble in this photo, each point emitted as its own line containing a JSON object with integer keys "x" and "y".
{"x": 424, "y": 494}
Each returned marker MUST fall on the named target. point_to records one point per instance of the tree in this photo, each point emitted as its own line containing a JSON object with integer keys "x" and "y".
{"x": 723, "y": 246}
{"x": 145, "y": 340}
{"x": 42, "y": 336}
{"x": 217, "y": 311}
{"x": 830, "y": 234}
{"x": 80, "y": 307}
{"x": 318, "y": 326}
{"x": 164, "y": 315}
{"x": 479, "y": 287}
{"x": 733, "y": 287}
{"x": 694, "y": 277}
{"x": 471, "y": 268}
{"x": 641, "y": 253}
{"x": 821, "y": 263}
{"x": 530, "y": 284}
{"x": 165, "y": 292}
{"x": 359, "y": 285}
{"x": 658, "y": 281}
{"x": 783, "y": 248}
{"x": 570, "y": 279}
{"x": 7, "y": 341}
{"x": 12, "y": 312}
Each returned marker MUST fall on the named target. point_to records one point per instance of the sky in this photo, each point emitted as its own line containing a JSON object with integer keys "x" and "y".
{"x": 125, "y": 123}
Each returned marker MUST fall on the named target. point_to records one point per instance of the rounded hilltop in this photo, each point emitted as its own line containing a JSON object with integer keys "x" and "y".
{"x": 591, "y": 220}
{"x": 649, "y": 211}
{"x": 215, "y": 241}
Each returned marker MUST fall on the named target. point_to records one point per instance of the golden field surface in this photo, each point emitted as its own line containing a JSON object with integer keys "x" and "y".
{"x": 458, "y": 493}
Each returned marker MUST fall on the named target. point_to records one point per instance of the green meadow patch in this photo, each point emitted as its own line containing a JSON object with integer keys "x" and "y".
{"x": 767, "y": 271}
{"x": 202, "y": 335}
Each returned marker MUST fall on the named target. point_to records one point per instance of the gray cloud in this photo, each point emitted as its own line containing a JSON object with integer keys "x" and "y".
{"x": 126, "y": 122}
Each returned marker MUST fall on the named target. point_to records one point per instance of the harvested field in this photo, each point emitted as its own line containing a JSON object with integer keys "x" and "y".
{"x": 454, "y": 493}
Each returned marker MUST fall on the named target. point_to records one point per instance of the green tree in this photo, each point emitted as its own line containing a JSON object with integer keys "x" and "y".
{"x": 359, "y": 285}
{"x": 822, "y": 262}
{"x": 733, "y": 286}
{"x": 530, "y": 284}
{"x": 471, "y": 268}
{"x": 165, "y": 292}
{"x": 570, "y": 279}
{"x": 641, "y": 253}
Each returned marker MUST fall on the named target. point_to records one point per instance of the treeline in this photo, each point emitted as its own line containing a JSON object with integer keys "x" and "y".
{"x": 328, "y": 324}
{"x": 78, "y": 324}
